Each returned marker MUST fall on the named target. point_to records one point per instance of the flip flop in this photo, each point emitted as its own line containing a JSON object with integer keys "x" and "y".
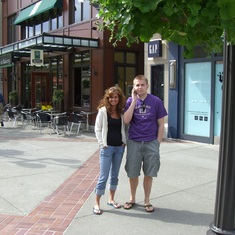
{"x": 149, "y": 208}
{"x": 128, "y": 205}
{"x": 114, "y": 204}
{"x": 97, "y": 211}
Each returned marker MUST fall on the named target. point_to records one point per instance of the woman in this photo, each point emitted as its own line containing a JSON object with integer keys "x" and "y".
{"x": 110, "y": 133}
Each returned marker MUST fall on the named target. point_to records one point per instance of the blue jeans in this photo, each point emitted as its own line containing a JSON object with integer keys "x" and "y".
{"x": 110, "y": 162}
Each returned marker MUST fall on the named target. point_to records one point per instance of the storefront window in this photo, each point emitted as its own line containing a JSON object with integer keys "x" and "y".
{"x": 82, "y": 80}
{"x": 197, "y": 100}
{"x": 125, "y": 70}
{"x": 57, "y": 72}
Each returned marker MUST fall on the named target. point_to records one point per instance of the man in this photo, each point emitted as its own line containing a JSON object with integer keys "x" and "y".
{"x": 145, "y": 113}
{"x": 2, "y": 104}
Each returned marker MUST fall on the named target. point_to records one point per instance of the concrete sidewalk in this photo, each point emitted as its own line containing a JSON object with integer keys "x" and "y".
{"x": 38, "y": 169}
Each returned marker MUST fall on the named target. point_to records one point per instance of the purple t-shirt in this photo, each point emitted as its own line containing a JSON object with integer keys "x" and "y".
{"x": 143, "y": 125}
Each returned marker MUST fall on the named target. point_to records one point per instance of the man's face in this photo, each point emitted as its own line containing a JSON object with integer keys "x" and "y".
{"x": 141, "y": 87}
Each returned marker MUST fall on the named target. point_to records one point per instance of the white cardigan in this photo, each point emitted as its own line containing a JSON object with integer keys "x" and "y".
{"x": 101, "y": 128}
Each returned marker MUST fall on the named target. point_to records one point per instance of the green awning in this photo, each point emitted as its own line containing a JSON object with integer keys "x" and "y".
{"x": 37, "y": 9}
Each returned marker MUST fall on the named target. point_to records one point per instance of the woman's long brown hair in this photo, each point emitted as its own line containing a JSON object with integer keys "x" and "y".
{"x": 104, "y": 102}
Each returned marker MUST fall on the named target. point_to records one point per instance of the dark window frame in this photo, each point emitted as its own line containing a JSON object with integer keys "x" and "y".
{"x": 124, "y": 65}
{"x": 11, "y": 29}
{"x": 83, "y": 14}
{"x": 48, "y": 16}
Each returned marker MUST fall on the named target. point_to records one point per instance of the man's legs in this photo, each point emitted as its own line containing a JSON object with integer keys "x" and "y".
{"x": 147, "y": 183}
{"x": 133, "y": 187}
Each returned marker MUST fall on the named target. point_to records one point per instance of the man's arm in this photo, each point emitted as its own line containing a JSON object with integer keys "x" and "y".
{"x": 160, "y": 129}
{"x": 129, "y": 112}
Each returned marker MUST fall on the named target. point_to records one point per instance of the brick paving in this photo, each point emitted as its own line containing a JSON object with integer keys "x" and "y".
{"x": 55, "y": 213}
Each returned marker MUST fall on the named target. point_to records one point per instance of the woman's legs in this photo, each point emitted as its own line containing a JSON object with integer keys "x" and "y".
{"x": 114, "y": 173}
{"x": 105, "y": 164}
{"x": 110, "y": 162}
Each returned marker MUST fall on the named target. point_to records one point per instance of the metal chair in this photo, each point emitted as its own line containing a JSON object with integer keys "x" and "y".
{"x": 76, "y": 119}
{"x": 18, "y": 108}
{"x": 26, "y": 118}
{"x": 61, "y": 121}
{"x": 43, "y": 119}
{"x": 34, "y": 116}
{"x": 13, "y": 116}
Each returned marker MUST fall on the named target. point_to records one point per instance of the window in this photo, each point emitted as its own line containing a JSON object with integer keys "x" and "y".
{"x": 81, "y": 10}
{"x": 125, "y": 70}
{"x": 57, "y": 72}
{"x": 82, "y": 75}
{"x": 11, "y": 34}
{"x": 197, "y": 101}
{"x": 47, "y": 21}
{"x": 38, "y": 29}
{"x": 53, "y": 67}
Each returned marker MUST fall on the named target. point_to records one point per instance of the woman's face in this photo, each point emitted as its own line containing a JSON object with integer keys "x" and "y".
{"x": 114, "y": 99}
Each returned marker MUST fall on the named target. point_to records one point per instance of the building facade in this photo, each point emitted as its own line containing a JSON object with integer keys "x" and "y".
{"x": 190, "y": 88}
{"x": 197, "y": 96}
{"x": 55, "y": 45}
{"x": 156, "y": 69}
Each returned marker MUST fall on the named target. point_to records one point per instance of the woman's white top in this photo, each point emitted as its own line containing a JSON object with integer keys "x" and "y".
{"x": 101, "y": 127}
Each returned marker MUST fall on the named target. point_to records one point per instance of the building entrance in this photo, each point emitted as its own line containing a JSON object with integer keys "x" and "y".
{"x": 40, "y": 89}
{"x": 157, "y": 78}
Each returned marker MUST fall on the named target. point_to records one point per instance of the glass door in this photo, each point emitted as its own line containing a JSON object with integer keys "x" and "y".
{"x": 157, "y": 81}
{"x": 197, "y": 102}
{"x": 40, "y": 89}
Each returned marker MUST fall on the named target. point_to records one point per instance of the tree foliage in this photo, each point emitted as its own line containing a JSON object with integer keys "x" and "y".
{"x": 185, "y": 22}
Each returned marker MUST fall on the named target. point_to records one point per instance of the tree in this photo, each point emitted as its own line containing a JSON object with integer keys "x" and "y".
{"x": 189, "y": 23}
{"x": 184, "y": 22}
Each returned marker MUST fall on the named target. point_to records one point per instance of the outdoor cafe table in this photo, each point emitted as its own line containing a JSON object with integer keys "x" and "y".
{"x": 53, "y": 115}
{"x": 87, "y": 118}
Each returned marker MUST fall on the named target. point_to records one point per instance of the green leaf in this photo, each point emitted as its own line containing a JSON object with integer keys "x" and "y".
{"x": 186, "y": 22}
{"x": 194, "y": 7}
{"x": 143, "y": 7}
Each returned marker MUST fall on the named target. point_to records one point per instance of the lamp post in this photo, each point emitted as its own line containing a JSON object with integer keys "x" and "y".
{"x": 224, "y": 215}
